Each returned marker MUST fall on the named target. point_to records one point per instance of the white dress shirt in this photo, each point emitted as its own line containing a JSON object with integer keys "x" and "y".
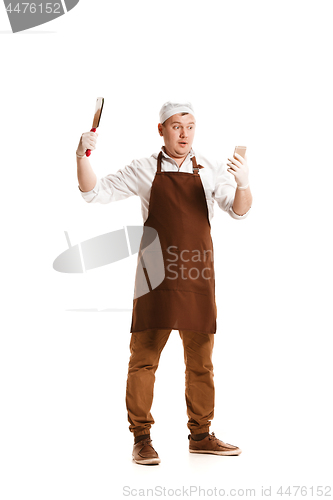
{"x": 137, "y": 178}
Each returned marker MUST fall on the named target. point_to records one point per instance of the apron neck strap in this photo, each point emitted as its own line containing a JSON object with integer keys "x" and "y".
{"x": 159, "y": 162}
{"x": 194, "y": 164}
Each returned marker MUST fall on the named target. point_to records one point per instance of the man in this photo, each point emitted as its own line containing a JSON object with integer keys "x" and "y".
{"x": 177, "y": 190}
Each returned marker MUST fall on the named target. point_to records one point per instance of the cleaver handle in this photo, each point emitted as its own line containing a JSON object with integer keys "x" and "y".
{"x": 88, "y": 152}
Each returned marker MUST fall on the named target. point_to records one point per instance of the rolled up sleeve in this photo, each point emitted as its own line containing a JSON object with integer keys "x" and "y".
{"x": 113, "y": 187}
{"x": 236, "y": 216}
{"x": 224, "y": 192}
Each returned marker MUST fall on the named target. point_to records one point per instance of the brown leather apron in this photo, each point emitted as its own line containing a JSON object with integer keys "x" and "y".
{"x": 185, "y": 299}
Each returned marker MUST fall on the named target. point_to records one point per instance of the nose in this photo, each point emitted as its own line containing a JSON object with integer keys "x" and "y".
{"x": 183, "y": 132}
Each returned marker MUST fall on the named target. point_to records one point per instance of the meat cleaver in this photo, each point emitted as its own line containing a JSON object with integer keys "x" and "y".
{"x": 97, "y": 118}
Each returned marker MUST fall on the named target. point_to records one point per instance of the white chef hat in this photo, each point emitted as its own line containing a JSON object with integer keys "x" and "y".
{"x": 172, "y": 108}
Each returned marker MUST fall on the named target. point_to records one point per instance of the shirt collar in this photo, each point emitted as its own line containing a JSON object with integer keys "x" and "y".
{"x": 190, "y": 154}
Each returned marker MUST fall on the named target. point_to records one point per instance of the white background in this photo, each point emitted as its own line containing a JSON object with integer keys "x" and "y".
{"x": 258, "y": 73}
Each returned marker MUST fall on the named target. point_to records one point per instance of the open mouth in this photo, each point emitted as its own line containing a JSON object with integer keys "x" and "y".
{"x": 183, "y": 143}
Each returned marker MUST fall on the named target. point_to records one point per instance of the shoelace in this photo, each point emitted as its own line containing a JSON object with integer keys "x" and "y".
{"x": 213, "y": 434}
{"x": 213, "y": 437}
{"x": 147, "y": 442}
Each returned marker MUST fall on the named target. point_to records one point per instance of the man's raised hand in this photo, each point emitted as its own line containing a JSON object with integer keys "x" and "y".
{"x": 238, "y": 167}
{"x": 87, "y": 141}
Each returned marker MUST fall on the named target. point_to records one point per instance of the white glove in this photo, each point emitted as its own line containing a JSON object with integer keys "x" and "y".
{"x": 87, "y": 141}
{"x": 240, "y": 170}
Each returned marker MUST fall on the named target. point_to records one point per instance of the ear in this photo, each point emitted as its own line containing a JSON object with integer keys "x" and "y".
{"x": 160, "y": 129}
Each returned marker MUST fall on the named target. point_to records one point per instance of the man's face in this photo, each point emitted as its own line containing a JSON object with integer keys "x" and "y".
{"x": 178, "y": 134}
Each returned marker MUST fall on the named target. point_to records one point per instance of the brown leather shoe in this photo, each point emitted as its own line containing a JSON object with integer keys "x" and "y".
{"x": 144, "y": 453}
{"x": 210, "y": 444}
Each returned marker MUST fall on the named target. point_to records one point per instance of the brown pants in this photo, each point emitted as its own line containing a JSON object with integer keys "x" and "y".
{"x": 146, "y": 348}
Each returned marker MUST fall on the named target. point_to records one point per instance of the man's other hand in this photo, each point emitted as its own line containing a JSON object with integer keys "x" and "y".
{"x": 240, "y": 170}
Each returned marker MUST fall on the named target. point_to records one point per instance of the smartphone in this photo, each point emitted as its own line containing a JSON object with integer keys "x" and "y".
{"x": 241, "y": 150}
